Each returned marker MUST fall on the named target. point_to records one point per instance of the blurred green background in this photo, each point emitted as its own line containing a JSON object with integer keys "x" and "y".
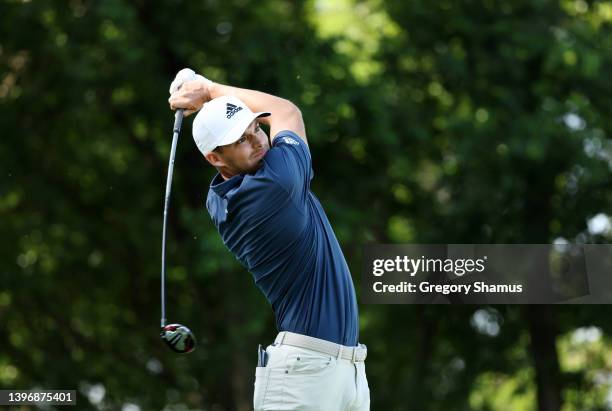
{"x": 429, "y": 122}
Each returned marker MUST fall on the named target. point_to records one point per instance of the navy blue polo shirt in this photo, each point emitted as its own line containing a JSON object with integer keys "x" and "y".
{"x": 275, "y": 226}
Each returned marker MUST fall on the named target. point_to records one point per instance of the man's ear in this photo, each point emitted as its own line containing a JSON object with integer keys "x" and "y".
{"x": 215, "y": 159}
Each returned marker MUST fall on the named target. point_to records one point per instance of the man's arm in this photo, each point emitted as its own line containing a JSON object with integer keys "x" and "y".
{"x": 285, "y": 115}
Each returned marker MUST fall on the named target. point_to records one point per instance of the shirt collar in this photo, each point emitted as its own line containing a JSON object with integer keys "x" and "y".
{"x": 221, "y": 187}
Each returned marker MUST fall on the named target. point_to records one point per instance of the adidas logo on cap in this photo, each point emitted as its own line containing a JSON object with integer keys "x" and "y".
{"x": 231, "y": 109}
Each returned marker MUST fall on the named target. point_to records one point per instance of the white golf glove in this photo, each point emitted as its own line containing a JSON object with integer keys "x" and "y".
{"x": 184, "y": 76}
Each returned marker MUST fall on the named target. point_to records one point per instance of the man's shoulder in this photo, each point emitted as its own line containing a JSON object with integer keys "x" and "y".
{"x": 289, "y": 138}
{"x": 287, "y": 151}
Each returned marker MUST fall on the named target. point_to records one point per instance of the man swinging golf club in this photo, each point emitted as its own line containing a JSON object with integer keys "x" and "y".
{"x": 261, "y": 203}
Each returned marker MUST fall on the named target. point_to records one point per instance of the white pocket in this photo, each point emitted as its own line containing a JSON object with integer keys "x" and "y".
{"x": 308, "y": 363}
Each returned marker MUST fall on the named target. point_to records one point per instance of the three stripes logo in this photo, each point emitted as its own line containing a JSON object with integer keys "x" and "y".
{"x": 231, "y": 109}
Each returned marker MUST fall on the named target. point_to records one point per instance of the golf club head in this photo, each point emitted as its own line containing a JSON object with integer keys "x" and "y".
{"x": 179, "y": 338}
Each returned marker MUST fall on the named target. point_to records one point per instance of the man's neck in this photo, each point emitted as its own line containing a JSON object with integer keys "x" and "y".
{"x": 225, "y": 174}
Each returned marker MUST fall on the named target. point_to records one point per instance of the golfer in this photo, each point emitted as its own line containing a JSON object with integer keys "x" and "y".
{"x": 261, "y": 203}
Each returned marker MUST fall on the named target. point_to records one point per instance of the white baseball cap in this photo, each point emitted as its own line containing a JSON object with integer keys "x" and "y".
{"x": 222, "y": 121}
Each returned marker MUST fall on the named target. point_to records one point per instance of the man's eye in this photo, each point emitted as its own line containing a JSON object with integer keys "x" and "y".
{"x": 257, "y": 128}
{"x": 242, "y": 140}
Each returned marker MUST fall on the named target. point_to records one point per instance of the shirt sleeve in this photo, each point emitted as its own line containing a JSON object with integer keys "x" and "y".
{"x": 290, "y": 162}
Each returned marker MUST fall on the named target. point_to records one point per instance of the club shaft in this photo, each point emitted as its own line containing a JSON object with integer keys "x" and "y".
{"x": 178, "y": 119}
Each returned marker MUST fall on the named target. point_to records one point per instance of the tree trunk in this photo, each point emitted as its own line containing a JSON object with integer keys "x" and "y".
{"x": 544, "y": 351}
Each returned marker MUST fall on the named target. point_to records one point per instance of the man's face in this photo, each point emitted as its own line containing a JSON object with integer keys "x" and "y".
{"x": 243, "y": 156}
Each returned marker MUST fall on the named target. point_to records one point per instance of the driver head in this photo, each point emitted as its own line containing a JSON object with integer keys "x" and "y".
{"x": 179, "y": 338}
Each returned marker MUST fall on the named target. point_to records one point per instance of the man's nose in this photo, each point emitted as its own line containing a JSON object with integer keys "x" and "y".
{"x": 255, "y": 142}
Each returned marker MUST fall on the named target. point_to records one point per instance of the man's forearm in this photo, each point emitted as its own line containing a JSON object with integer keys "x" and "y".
{"x": 285, "y": 115}
{"x": 256, "y": 100}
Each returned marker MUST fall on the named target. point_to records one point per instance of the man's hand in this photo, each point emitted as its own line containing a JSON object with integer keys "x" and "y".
{"x": 189, "y": 91}
{"x": 191, "y": 96}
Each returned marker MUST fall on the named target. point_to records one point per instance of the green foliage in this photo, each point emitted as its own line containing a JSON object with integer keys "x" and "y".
{"x": 429, "y": 122}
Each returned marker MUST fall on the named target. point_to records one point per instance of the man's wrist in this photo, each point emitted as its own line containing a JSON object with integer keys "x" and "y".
{"x": 211, "y": 88}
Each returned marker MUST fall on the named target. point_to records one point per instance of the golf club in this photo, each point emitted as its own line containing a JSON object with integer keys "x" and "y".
{"x": 178, "y": 337}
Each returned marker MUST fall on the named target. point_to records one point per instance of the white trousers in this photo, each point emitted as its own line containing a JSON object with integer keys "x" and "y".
{"x": 306, "y": 380}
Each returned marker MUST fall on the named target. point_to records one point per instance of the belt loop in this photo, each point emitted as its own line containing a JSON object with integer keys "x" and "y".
{"x": 340, "y": 353}
{"x": 281, "y": 337}
{"x": 354, "y": 354}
